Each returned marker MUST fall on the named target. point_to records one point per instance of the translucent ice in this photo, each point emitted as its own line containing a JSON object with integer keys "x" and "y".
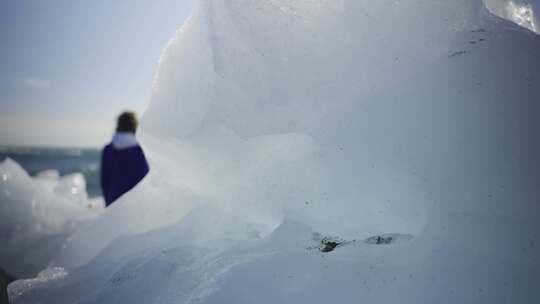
{"x": 520, "y": 12}
{"x": 276, "y": 123}
{"x": 38, "y": 214}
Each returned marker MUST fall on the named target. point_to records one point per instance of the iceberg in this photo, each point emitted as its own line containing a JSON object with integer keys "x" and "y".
{"x": 315, "y": 151}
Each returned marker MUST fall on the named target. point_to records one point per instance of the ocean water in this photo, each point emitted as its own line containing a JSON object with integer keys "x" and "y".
{"x": 64, "y": 160}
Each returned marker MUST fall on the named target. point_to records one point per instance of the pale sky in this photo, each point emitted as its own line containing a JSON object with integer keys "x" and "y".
{"x": 68, "y": 67}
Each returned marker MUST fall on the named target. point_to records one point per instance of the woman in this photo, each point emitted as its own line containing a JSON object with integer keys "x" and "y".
{"x": 123, "y": 164}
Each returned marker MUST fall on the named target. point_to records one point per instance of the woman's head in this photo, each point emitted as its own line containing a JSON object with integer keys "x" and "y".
{"x": 127, "y": 122}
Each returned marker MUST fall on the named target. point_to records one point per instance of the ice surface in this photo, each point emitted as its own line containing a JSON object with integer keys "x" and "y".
{"x": 275, "y": 123}
{"x": 521, "y": 12}
{"x": 38, "y": 214}
{"x": 47, "y": 275}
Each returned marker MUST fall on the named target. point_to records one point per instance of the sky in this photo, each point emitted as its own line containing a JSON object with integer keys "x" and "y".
{"x": 69, "y": 67}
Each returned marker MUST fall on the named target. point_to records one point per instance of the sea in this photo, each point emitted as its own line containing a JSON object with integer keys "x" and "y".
{"x": 64, "y": 160}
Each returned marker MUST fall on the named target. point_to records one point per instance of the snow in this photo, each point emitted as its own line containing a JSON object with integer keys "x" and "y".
{"x": 276, "y": 123}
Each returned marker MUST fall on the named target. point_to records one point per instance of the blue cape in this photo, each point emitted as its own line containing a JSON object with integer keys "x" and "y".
{"x": 121, "y": 170}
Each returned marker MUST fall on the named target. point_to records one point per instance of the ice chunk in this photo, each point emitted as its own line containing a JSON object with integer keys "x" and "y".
{"x": 49, "y": 174}
{"x": 272, "y": 120}
{"x": 520, "y": 12}
{"x": 46, "y": 276}
{"x": 38, "y": 214}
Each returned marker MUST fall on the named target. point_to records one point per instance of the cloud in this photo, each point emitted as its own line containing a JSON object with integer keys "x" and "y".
{"x": 34, "y": 83}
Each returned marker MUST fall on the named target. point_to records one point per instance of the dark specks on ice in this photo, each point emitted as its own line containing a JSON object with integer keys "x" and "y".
{"x": 328, "y": 243}
{"x": 458, "y": 53}
{"x": 478, "y": 36}
{"x": 385, "y": 239}
{"x": 331, "y": 243}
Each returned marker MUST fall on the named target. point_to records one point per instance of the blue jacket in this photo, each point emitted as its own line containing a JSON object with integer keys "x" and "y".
{"x": 121, "y": 170}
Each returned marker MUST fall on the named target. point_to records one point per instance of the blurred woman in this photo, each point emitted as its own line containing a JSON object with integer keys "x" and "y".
{"x": 123, "y": 164}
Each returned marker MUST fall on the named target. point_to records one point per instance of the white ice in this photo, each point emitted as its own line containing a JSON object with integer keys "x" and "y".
{"x": 274, "y": 123}
{"x": 521, "y": 12}
{"x": 38, "y": 215}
